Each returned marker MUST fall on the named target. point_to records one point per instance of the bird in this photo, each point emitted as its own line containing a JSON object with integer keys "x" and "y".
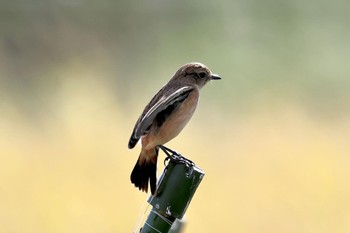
{"x": 163, "y": 119}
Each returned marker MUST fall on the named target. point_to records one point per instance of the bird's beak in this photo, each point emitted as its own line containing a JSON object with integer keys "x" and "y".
{"x": 215, "y": 77}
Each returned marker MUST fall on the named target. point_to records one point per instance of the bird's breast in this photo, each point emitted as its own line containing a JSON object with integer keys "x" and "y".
{"x": 173, "y": 123}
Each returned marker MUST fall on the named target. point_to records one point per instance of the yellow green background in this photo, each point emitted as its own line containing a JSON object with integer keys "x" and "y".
{"x": 272, "y": 135}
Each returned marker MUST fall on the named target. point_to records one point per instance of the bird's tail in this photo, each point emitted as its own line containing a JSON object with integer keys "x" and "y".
{"x": 145, "y": 170}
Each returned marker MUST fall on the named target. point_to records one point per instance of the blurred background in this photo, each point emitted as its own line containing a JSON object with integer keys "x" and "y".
{"x": 272, "y": 135}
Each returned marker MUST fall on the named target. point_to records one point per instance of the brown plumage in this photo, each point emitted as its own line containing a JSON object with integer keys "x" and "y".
{"x": 163, "y": 119}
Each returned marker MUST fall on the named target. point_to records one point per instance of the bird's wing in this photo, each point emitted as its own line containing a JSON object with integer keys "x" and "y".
{"x": 149, "y": 116}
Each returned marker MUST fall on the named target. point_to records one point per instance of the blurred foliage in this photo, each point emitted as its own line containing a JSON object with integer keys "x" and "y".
{"x": 75, "y": 75}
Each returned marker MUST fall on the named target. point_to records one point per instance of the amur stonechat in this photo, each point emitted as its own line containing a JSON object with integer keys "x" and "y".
{"x": 163, "y": 119}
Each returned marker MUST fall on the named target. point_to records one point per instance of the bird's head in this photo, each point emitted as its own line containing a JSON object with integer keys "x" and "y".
{"x": 195, "y": 73}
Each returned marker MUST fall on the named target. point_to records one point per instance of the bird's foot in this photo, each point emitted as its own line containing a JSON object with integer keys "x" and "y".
{"x": 175, "y": 157}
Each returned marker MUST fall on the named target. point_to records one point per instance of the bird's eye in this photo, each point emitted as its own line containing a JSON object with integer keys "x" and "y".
{"x": 202, "y": 74}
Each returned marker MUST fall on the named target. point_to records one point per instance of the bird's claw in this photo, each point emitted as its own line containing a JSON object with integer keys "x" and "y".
{"x": 175, "y": 157}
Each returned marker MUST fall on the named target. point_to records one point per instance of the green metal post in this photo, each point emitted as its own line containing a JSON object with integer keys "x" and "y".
{"x": 176, "y": 188}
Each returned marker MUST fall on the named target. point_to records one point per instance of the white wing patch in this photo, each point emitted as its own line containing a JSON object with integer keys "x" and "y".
{"x": 161, "y": 105}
